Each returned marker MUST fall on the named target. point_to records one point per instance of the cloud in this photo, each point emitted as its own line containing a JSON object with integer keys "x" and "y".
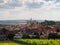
{"x": 57, "y": 0}
{"x": 40, "y": 9}
{"x": 4, "y": 15}
{"x": 36, "y": 14}
{"x": 47, "y": 4}
{"x": 14, "y": 3}
{"x": 1, "y": 1}
{"x": 10, "y": 4}
{"x": 34, "y": 4}
{"x": 50, "y": 0}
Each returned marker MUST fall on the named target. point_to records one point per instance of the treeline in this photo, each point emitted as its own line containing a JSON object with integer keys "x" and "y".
{"x": 46, "y": 22}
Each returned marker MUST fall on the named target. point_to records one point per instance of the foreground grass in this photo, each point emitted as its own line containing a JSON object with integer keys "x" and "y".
{"x": 31, "y": 42}
{"x": 39, "y": 41}
{"x": 8, "y": 43}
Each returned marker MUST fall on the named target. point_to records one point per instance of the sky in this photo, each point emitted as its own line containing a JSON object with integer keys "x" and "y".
{"x": 27, "y": 9}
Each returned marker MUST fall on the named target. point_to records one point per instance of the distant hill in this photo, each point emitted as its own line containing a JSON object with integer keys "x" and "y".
{"x": 9, "y": 22}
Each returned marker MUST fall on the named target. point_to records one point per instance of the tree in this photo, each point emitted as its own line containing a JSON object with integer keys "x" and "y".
{"x": 10, "y": 36}
{"x": 48, "y": 22}
{"x": 25, "y": 36}
{"x": 53, "y": 36}
{"x": 57, "y": 30}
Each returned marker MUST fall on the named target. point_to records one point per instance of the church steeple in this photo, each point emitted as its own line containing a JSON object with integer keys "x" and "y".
{"x": 31, "y": 19}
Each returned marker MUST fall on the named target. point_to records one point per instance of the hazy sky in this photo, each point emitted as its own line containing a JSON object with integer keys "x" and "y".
{"x": 26, "y": 9}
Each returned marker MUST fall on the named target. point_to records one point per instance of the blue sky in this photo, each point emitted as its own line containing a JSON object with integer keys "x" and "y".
{"x": 26, "y": 9}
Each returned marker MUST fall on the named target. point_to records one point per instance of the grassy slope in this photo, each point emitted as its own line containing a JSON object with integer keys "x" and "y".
{"x": 39, "y": 41}
{"x": 31, "y": 42}
{"x": 8, "y": 43}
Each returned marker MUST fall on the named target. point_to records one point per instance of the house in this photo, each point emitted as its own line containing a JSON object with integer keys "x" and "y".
{"x": 18, "y": 35}
{"x": 57, "y": 27}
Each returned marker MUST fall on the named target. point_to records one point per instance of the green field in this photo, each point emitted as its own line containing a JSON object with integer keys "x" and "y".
{"x": 31, "y": 42}
{"x": 8, "y": 43}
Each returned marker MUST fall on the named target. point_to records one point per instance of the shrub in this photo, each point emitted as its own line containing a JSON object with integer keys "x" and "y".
{"x": 53, "y": 36}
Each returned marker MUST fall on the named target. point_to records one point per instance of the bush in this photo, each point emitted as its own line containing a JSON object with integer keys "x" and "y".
{"x": 53, "y": 36}
{"x": 25, "y": 36}
{"x": 10, "y": 36}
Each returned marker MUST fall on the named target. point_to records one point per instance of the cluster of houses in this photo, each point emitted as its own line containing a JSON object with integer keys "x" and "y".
{"x": 32, "y": 28}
